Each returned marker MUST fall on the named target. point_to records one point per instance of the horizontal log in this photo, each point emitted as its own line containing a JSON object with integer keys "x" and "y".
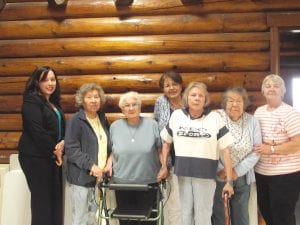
{"x": 5, "y": 154}
{"x": 188, "y": 43}
{"x": 143, "y": 25}
{"x": 119, "y": 83}
{"x": 12, "y": 103}
{"x": 251, "y": 61}
{"x": 9, "y": 140}
{"x": 38, "y": 9}
{"x": 13, "y": 122}
{"x": 283, "y": 19}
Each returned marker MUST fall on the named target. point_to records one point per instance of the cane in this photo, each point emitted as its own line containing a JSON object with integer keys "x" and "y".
{"x": 226, "y": 209}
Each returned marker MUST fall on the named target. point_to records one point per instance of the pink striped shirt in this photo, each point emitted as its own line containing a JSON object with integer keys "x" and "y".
{"x": 278, "y": 127}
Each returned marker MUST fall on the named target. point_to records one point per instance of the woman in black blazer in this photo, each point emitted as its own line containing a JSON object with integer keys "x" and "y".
{"x": 41, "y": 146}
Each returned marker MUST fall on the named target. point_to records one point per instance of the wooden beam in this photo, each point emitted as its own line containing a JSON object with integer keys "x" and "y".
{"x": 274, "y": 50}
{"x": 38, "y": 9}
{"x": 205, "y": 62}
{"x": 119, "y": 83}
{"x": 152, "y": 44}
{"x": 140, "y": 25}
{"x": 285, "y": 19}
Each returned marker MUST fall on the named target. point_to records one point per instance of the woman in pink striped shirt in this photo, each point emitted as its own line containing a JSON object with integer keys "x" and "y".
{"x": 278, "y": 170}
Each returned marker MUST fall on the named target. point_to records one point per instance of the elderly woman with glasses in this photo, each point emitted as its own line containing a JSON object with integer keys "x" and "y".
{"x": 278, "y": 170}
{"x": 199, "y": 136}
{"x": 136, "y": 147}
{"x": 246, "y": 132}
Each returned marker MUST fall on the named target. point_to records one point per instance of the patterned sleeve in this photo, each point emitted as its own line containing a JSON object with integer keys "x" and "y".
{"x": 167, "y": 133}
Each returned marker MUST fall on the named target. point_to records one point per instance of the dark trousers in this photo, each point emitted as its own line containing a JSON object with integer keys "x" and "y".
{"x": 136, "y": 200}
{"x": 238, "y": 203}
{"x": 277, "y": 197}
{"x": 44, "y": 180}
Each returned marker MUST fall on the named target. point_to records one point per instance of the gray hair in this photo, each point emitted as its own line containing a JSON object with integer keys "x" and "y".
{"x": 276, "y": 79}
{"x": 238, "y": 90}
{"x": 192, "y": 85}
{"x": 81, "y": 92}
{"x": 129, "y": 94}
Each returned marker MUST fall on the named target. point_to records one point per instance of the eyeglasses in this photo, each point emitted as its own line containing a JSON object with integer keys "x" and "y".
{"x": 132, "y": 105}
{"x": 232, "y": 101}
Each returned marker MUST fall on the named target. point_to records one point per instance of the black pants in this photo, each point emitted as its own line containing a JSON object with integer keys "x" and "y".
{"x": 277, "y": 197}
{"x": 136, "y": 200}
{"x": 44, "y": 180}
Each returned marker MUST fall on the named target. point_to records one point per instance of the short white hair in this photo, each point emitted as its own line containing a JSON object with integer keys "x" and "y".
{"x": 276, "y": 79}
{"x": 130, "y": 94}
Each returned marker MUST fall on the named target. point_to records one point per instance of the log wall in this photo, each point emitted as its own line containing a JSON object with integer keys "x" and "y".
{"x": 221, "y": 43}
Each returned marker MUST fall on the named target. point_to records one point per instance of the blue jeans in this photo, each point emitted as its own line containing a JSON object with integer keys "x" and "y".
{"x": 238, "y": 203}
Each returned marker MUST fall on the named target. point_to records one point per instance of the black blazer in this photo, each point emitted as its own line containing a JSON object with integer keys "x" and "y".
{"x": 40, "y": 127}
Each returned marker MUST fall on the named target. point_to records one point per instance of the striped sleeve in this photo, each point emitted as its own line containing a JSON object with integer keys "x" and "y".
{"x": 293, "y": 123}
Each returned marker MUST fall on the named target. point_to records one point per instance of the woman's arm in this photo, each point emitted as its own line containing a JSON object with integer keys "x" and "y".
{"x": 290, "y": 147}
{"x": 228, "y": 169}
{"x": 163, "y": 173}
{"x": 108, "y": 167}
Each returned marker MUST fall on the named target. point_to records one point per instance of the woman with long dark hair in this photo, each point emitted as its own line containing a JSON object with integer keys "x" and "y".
{"x": 41, "y": 145}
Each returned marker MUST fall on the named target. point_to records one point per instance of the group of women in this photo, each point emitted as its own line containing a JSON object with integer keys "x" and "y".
{"x": 203, "y": 153}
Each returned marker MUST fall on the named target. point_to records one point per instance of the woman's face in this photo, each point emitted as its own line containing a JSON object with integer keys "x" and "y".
{"x": 171, "y": 88}
{"x": 272, "y": 91}
{"x": 131, "y": 109}
{"x": 196, "y": 99}
{"x": 91, "y": 102}
{"x": 234, "y": 105}
{"x": 48, "y": 85}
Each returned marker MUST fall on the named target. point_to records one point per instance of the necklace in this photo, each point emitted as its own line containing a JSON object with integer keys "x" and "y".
{"x": 175, "y": 105}
{"x": 132, "y": 131}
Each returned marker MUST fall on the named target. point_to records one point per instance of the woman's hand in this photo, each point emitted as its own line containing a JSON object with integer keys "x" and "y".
{"x": 264, "y": 149}
{"x": 108, "y": 170}
{"x": 58, "y": 157}
{"x": 96, "y": 172}
{"x": 162, "y": 174}
{"x": 60, "y": 146}
{"x": 229, "y": 189}
{"x": 58, "y": 152}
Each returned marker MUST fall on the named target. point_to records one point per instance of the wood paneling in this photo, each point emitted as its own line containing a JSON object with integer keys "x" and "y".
{"x": 252, "y": 61}
{"x": 38, "y": 9}
{"x": 118, "y": 83}
{"x": 184, "y": 43}
{"x": 143, "y": 25}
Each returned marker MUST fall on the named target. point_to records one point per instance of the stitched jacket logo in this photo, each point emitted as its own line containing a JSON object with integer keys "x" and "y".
{"x": 193, "y": 132}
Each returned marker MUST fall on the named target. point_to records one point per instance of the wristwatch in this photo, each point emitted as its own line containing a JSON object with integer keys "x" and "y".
{"x": 272, "y": 149}
{"x": 230, "y": 182}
